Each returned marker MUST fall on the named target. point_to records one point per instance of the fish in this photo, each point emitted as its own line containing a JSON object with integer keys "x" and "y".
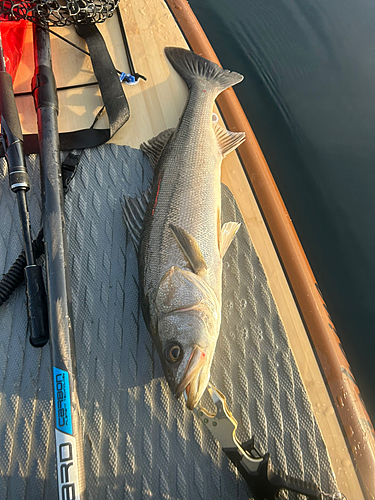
{"x": 176, "y": 228}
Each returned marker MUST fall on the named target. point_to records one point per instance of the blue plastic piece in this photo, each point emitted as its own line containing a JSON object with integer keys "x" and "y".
{"x": 127, "y": 78}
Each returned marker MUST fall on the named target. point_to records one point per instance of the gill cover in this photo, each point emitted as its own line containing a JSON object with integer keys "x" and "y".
{"x": 181, "y": 290}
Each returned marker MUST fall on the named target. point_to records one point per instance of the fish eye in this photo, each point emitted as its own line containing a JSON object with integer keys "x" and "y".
{"x": 173, "y": 353}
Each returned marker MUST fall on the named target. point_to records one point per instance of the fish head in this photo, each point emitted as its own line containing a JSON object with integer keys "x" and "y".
{"x": 187, "y": 332}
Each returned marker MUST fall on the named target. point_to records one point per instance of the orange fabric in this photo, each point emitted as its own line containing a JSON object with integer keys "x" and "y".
{"x": 13, "y": 35}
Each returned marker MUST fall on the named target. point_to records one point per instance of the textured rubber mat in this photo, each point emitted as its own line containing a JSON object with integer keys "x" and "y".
{"x": 139, "y": 442}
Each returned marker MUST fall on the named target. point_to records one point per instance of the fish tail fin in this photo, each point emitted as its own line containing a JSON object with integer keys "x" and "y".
{"x": 192, "y": 68}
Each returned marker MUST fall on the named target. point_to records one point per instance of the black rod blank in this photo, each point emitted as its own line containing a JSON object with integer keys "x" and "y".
{"x": 68, "y": 434}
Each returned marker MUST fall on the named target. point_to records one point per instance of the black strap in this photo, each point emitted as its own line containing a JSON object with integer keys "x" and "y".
{"x": 113, "y": 96}
{"x": 110, "y": 86}
{"x": 78, "y": 139}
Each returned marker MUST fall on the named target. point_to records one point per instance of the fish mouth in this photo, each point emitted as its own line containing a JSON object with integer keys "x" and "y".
{"x": 190, "y": 381}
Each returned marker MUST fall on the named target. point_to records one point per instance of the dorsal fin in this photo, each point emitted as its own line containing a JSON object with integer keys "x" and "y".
{"x": 228, "y": 141}
{"x": 190, "y": 249}
{"x": 134, "y": 213}
{"x": 228, "y": 232}
{"x": 154, "y": 147}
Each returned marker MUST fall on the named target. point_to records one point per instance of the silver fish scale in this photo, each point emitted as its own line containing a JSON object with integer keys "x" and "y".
{"x": 139, "y": 442}
{"x": 188, "y": 195}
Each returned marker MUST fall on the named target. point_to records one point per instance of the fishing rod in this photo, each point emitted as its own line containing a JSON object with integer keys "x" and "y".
{"x": 12, "y": 139}
{"x": 68, "y": 433}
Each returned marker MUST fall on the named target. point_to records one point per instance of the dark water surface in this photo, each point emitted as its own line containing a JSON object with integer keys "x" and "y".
{"x": 309, "y": 94}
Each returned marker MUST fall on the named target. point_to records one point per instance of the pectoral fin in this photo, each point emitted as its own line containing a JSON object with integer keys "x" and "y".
{"x": 228, "y": 232}
{"x": 190, "y": 249}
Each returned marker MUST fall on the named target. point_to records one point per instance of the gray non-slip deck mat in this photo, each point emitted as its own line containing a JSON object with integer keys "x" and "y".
{"x": 139, "y": 442}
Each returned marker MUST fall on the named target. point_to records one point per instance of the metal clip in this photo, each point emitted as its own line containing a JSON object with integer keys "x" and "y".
{"x": 264, "y": 480}
{"x": 223, "y": 426}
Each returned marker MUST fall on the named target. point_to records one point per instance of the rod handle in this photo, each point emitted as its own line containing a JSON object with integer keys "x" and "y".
{"x": 37, "y": 306}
